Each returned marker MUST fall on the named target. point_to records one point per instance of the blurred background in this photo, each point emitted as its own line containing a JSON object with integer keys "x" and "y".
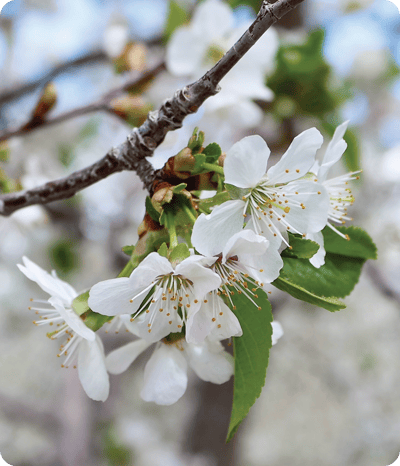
{"x": 97, "y": 67}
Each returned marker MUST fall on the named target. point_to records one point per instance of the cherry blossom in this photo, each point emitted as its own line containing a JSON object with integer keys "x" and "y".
{"x": 165, "y": 374}
{"x": 82, "y": 343}
{"x": 246, "y": 259}
{"x": 165, "y": 295}
{"x": 340, "y": 196}
{"x": 274, "y": 202}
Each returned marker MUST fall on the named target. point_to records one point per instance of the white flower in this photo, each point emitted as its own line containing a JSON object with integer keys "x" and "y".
{"x": 194, "y": 49}
{"x": 165, "y": 374}
{"x": 272, "y": 203}
{"x": 82, "y": 343}
{"x": 161, "y": 295}
{"x": 340, "y": 196}
{"x": 245, "y": 259}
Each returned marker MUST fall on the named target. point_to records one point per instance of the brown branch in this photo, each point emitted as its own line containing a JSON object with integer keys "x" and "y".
{"x": 142, "y": 141}
{"x": 101, "y": 105}
{"x": 91, "y": 57}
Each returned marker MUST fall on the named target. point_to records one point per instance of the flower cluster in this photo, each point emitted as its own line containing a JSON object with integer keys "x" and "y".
{"x": 182, "y": 297}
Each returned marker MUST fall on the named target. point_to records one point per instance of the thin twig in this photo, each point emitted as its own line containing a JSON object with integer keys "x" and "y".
{"x": 101, "y": 105}
{"x": 91, "y": 57}
{"x": 142, "y": 141}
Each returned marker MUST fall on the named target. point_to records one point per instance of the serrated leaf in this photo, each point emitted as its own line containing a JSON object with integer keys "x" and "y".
{"x": 206, "y": 204}
{"x": 151, "y": 210}
{"x": 179, "y": 253}
{"x": 177, "y": 16}
{"x": 298, "y": 292}
{"x": 251, "y": 352}
{"x": 212, "y": 152}
{"x": 336, "y": 278}
{"x": 360, "y": 244}
{"x": 128, "y": 250}
{"x": 301, "y": 248}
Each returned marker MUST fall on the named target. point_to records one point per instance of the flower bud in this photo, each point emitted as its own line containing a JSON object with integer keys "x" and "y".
{"x": 133, "y": 58}
{"x": 131, "y": 108}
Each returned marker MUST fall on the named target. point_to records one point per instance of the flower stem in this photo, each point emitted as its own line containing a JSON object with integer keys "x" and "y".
{"x": 173, "y": 238}
{"x": 213, "y": 168}
{"x": 189, "y": 213}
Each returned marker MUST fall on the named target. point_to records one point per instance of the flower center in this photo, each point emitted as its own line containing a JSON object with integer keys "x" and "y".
{"x": 340, "y": 197}
{"x": 50, "y": 316}
{"x": 235, "y": 279}
{"x": 169, "y": 298}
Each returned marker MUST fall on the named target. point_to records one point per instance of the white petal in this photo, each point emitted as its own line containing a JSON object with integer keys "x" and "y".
{"x": 212, "y": 19}
{"x": 277, "y": 332}
{"x": 246, "y": 162}
{"x": 299, "y": 156}
{"x": 160, "y": 325}
{"x": 315, "y": 216}
{"x": 149, "y": 269}
{"x": 211, "y": 232}
{"x": 51, "y": 285}
{"x": 200, "y": 325}
{"x": 244, "y": 242}
{"x": 318, "y": 259}
{"x": 261, "y": 228}
{"x": 119, "y": 360}
{"x": 165, "y": 376}
{"x": 334, "y": 151}
{"x": 204, "y": 279}
{"x": 185, "y": 52}
{"x": 263, "y": 268}
{"x": 210, "y": 362}
{"x": 92, "y": 369}
{"x": 72, "y": 320}
{"x": 112, "y": 297}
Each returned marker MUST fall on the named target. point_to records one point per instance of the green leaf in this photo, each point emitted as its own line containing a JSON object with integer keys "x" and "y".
{"x": 360, "y": 244}
{"x": 128, "y": 250}
{"x": 206, "y": 204}
{"x": 179, "y": 253}
{"x": 301, "y": 248}
{"x": 179, "y": 188}
{"x": 151, "y": 210}
{"x": 177, "y": 16}
{"x": 212, "y": 152}
{"x": 336, "y": 278}
{"x": 200, "y": 159}
{"x": 196, "y": 140}
{"x": 251, "y": 352}
{"x": 163, "y": 250}
{"x": 298, "y": 292}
